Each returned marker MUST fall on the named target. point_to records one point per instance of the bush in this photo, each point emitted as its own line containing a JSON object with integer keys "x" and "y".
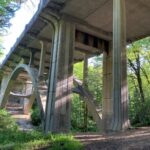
{"x": 77, "y": 116}
{"x": 141, "y": 115}
{"x": 36, "y": 116}
{"x": 13, "y": 139}
{"x": 6, "y": 122}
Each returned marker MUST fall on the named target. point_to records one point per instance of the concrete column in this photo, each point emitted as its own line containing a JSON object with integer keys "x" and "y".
{"x": 120, "y": 119}
{"x": 42, "y": 58}
{"x": 85, "y": 72}
{"x": 85, "y": 85}
{"x": 3, "y": 87}
{"x": 107, "y": 89}
{"x": 59, "y": 97}
{"x": 28, "y": 102}
{"x": 32, "y": 54}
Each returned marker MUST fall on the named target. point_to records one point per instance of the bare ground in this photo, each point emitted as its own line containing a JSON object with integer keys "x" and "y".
{"x": 133, "y": 139}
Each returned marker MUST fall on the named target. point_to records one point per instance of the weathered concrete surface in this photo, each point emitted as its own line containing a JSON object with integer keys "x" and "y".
{"x": 92, "y": 23}
{"x": 59, "y": 103}
{"x": 28, "y": 102}
{"x": 107, "y": 108}
{"x": 115, "y": 93}
{"x": 120, "y": 120}
{"x": 4, "y": 84}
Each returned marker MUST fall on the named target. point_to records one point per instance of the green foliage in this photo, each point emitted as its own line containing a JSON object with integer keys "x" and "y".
{"x": 141, "y": 116}
{"x": 138, "y": 82}
{"x": 35, "y": 116}
{"x": 95, "y": 83}
{"x": 77, "y": 116}
{"x": 61, "y": 142}
{"x": 6, "y": 122}
{"x": 138, "y": 67}
{"x": 13, "y": 139}
{"x": 7, "y": 10}
{"x": 20, "y": 140}
{"x": 78, "y": 70}
{"x": 23, "y": 140}
{"x": 95, "y": 87}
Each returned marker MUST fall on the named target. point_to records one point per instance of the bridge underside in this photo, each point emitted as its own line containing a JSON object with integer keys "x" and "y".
{"x": 62, "y": 33}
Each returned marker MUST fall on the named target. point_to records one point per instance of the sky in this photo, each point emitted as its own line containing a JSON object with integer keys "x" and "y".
{"x": 19, "y": 21}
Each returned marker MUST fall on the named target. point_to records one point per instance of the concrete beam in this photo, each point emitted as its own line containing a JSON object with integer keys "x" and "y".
{"x": 83, "y": 26}
{"x": 87, "y": 49}
{"x": 39, "y": 38}
{"x": 101, "y": 42}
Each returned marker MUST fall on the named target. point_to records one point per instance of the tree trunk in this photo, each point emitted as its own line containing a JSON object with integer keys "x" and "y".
{"x": 140, "y": 86}
{"x": 137, "y": 70}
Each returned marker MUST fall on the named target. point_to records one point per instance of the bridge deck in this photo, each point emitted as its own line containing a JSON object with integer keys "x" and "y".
{"x": 93, "y": 23}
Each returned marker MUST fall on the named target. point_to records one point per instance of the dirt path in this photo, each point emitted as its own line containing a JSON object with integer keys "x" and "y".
{"x": 134, "y": 139}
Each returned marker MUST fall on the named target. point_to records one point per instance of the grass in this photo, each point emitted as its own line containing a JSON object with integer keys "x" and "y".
{"x": 19, "y": 140}
{"x": 61, "y": 142}
{"x": 35, "y": 140}
{"x": 13, "y": 139}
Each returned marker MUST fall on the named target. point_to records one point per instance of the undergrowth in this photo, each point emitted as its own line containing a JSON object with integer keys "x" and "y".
{"x": 11, "y": 138}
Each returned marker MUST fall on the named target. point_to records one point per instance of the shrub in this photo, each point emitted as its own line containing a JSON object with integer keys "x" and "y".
{"x": 6, "y": 122}
{"x": 36, "y": 116}
{"x": 13, "y": 139}
{"x": 141, "y": 115}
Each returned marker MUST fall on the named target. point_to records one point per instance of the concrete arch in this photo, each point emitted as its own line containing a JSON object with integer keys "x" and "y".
{"x": 34, "y": 78}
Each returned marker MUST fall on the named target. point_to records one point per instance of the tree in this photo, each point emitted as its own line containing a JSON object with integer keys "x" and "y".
{"x": 7, "y": 10}
{"x": 92, "y": 81}
{"x": 139, "y": 81}
{"x": 138, "y": 58}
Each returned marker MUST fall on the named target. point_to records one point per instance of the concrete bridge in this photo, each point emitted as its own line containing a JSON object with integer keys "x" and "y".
{"x": 63, "y": 32}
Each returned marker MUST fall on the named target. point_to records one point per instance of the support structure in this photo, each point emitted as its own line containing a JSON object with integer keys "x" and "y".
{"x": 42, "y": 57}
{"x": 91, "y": 34}
{"x": 59, "y": 98}
{"x": 28, "y": 102}
{"x": 4, "y": 83}
{"x": 120, "y": 94}
{"x": 85, "y": 85}
{"x": 32, "y": 54}
{"x": 115, "y": 102}
{"x": 107, "y": 89}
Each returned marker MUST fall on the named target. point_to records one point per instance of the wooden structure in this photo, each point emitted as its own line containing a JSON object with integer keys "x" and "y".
{"x": 59, "y": 35}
